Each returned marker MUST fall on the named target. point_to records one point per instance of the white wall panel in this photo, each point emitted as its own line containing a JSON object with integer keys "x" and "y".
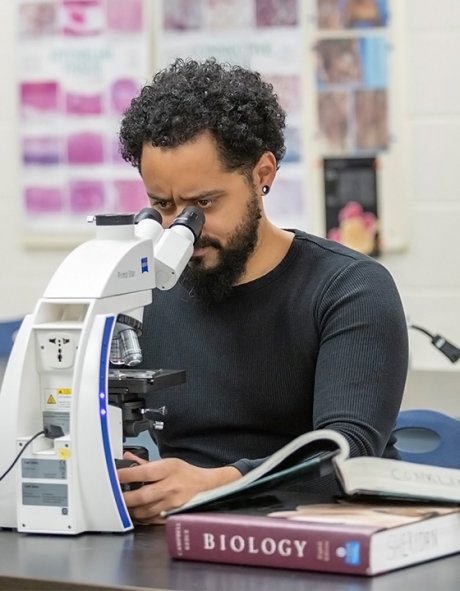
{"x": 436, "y": 161}
{"x": 431, "y": 257}
{"x": 432, "y": 14}
{"x": 433, "y": 74}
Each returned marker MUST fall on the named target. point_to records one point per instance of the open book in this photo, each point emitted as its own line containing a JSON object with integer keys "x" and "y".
{"x": 321, "y": 452}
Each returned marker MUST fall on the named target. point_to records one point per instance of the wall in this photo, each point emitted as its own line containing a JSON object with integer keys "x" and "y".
{"x": 427, "y": 273}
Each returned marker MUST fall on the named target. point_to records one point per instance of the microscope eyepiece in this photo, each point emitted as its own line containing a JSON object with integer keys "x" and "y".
{"x": 192, "y": 218}
{"x": 148, "y": 213}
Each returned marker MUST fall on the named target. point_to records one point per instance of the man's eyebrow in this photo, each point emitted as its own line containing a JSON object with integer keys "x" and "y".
{"x": 204, "y": 195}
{"x": 156, "y": 198}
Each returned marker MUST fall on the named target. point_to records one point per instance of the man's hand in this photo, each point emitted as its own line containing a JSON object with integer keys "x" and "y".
{"x": 168, "y": 484}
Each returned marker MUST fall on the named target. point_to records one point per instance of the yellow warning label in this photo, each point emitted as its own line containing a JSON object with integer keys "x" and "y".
{"x": 58, "y": 398}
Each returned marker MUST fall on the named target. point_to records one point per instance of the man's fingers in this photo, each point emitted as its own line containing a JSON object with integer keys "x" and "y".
{"x": 130, "y": 456}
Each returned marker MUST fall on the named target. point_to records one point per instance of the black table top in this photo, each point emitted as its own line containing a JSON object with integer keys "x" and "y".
{"x": 140, "y": 561}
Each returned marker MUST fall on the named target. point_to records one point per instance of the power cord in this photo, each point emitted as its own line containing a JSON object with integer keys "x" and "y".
{"x": 51, "y": 432}
{"x": 450, "y": 350}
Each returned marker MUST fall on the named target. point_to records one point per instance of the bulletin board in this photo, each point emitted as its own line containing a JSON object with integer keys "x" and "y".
{"x": 334, "y": 64}
{"x": 80, "y": 62}
{"x": 357, "y": 155}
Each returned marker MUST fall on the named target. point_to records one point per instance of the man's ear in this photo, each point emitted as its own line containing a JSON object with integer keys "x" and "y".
{"x": 264, "y": 172}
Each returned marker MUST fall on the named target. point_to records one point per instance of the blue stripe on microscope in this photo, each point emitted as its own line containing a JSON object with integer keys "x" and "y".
{"x": 103, "y": 413}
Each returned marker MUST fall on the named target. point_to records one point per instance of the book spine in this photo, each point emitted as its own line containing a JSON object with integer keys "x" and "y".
{"x": 416, "y": 542}
{"x": 275, "y": 543}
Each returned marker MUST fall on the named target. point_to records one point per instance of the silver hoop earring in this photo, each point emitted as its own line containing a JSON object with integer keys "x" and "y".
{"x": 265, "y": 190}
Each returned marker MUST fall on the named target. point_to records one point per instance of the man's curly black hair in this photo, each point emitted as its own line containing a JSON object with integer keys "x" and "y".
{"x": 235, "y": 105}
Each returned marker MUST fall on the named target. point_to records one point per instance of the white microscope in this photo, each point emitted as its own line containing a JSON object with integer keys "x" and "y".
{"x": 60, "y": 435}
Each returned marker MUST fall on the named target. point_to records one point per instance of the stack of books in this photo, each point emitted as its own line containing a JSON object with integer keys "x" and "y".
{"x": 392, "y": 513}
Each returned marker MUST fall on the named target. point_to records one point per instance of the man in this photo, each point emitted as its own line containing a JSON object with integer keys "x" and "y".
{"x": 279, "y": 332}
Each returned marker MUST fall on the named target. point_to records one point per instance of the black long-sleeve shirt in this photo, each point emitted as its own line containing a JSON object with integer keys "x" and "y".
{"x": 318, "y": 342}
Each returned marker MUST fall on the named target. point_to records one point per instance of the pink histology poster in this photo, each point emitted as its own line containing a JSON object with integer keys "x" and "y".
{"x": 80, "y": 64}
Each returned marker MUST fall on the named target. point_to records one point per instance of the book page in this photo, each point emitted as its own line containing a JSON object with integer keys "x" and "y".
{"x": 398, "y": 479}
{"x": 303, "y": 455}
{"x": 379, "y": 516}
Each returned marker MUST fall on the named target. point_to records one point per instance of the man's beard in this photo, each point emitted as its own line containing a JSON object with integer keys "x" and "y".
{"x": 214, "y": 284}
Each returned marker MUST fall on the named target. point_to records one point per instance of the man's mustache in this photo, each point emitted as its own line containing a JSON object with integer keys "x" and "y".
{"x": 204, "y": 241}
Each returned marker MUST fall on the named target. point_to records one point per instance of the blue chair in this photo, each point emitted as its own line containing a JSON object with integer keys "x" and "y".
{"x": 8, "y": 330}
{"x": 427, "y": 436}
